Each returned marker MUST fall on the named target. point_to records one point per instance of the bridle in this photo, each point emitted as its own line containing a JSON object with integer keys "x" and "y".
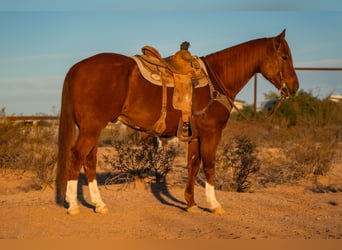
{"x": 284, "y": 89}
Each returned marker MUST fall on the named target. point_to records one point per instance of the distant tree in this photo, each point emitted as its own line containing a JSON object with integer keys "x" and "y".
{"x": 3, "y": 112}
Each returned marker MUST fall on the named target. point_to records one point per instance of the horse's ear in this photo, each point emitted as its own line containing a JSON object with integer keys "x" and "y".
{"x": 282, "y": 34}
{"x": 278, "y": 39}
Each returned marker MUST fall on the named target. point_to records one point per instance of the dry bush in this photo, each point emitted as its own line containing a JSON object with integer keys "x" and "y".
{"x": 42, "y": 154}
{"x": 138, "y": 157}
{"x": 307, "y": 152}
{"x": 25, "y": 146}
{"x": 312, "y": 158}
{"x": 288, "y": 154}
{"x": 12, "y": 137}
{"x": 235, "y": 163}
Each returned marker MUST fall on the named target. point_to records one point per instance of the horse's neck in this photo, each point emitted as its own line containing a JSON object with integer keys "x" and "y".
{"x": 233, "y": 67}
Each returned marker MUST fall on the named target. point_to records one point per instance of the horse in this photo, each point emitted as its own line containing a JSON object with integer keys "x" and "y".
{"x": 108, "y": 87}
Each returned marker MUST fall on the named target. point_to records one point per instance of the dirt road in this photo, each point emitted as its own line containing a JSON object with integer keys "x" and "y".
{"x": 158, "y": 212}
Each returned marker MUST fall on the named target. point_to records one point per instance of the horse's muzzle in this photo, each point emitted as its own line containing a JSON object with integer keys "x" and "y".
{"x": 287, "y": 91}
{"x": 284, "y": 90}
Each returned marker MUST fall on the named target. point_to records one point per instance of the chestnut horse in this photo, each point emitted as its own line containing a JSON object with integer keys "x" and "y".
{"x": 109, "y": 87}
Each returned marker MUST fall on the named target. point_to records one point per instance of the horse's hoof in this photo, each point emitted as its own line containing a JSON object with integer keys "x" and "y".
{"x": 101, "y": 209}
{"x": 73, "y": 211}
{"x": 194, "y": 209}
{"x": 218, "y": 210}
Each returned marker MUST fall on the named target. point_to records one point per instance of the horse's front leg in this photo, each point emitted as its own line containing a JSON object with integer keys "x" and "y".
{"x": 194, "y": 162}
{"x": 208, "y": 152}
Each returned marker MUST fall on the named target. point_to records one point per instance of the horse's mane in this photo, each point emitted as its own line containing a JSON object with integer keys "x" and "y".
{"x": 235, "y": 65}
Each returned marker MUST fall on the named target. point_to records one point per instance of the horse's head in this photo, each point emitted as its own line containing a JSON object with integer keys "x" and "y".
{"x": 278, "y": 67}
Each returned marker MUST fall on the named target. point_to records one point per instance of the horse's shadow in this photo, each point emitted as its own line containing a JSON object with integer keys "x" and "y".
{"x": 162, "y": 193}
{"x": 159, "y": 190}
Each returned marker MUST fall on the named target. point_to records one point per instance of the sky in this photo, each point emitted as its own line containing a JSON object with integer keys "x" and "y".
{"x": 41, "y": 39}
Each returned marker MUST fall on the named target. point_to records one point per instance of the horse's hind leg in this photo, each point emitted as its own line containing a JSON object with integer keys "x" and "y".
{"x": 90, "y": 170}
{"x": 73, "y": 174}
{"x": 83, "y": 154}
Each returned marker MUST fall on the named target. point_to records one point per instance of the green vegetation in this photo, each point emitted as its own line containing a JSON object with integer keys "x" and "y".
{"x": 306, "y": 109}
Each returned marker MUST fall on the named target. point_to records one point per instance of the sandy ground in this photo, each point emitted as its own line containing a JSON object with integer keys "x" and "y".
{"x": 142, "y": 211}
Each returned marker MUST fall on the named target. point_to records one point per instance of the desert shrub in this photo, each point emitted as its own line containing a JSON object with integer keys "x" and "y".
{"x": 24, "y": 146}
{"x": 42, "y": 154}
{"x": 12, "y": 136}
{"x": 313, "y": 159}
{"x": 307, "y": 152}
{"x": 331, "y": 112}
{"x": 235, "y": 163}
{"x": 138, "y": 157}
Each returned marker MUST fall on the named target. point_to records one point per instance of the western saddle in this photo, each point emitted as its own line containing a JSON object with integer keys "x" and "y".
{"x": 181, "y": 71}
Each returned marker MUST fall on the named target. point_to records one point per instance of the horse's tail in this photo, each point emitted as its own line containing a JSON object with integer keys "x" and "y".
{"x": 66, "y": 135}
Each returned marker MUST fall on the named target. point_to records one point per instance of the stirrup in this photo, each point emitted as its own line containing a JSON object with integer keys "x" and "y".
{"x": 184, "y": 131}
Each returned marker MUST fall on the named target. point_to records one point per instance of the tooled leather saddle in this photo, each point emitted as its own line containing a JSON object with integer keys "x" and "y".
{"x": 157, "y": 70}
{"x": 181, "y": 71}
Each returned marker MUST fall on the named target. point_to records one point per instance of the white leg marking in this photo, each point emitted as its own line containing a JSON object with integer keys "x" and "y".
{"x": 96, "y": 198}
{"x": 71, "y": 197}
{"x": 211, "y": 198}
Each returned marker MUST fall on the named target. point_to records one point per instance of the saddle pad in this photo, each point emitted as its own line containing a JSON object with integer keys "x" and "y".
{"x": 157, "y": 77}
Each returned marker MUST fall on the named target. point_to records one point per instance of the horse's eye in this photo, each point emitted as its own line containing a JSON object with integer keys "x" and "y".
{"x": 284, "y": 58}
